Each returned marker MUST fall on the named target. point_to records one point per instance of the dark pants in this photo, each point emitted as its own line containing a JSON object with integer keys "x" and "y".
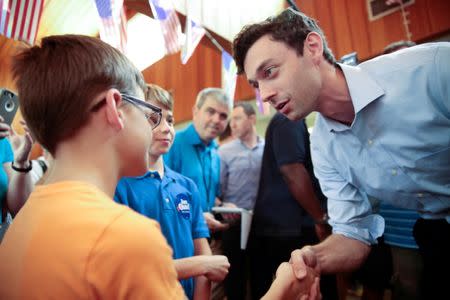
{"x": 433, "y": 239}
{"x": 267, "y": 253}
{"x": 236, "y": 280}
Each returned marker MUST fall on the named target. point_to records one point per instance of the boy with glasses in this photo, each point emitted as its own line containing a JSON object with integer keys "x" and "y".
{"x": 174, "y": 201}
{"x": 70, "y": 240}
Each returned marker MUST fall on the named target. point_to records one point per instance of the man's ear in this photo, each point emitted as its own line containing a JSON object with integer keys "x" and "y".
{"x": 194, "y": 111}
{"x": 113, "y": 115}
{"x": 313, "y": 44}
{"x": 252, "y": 119}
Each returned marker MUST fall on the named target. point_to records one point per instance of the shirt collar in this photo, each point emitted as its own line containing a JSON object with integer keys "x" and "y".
{"x": 168, "y": 174}
{"x": 259, "y": 142}
{"x": 363, "y": 91}
{"x": 194, "y": 139}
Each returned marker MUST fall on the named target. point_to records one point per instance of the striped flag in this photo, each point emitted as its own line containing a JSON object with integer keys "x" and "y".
{"x": 194, "y": 32}
{"x": 19, "y": 19}
{"x": 170, "y": 24}
{"x": 229, "y": 76}
{"x": 263, "y": 107}
{"x": 113, "y": 23}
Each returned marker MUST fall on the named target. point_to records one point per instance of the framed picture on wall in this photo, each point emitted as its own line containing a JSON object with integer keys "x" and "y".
{"x": 377, "y": 9}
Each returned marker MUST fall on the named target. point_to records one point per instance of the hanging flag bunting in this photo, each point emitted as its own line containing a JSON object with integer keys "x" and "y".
{"x": 229, "y": 76}
{"x": 194, "y": 32}
{"x": 263, "y": 107}
{"x": 19, "y": 19}
{"x": 113, "y": 23}
{"x": 170, "y": 24}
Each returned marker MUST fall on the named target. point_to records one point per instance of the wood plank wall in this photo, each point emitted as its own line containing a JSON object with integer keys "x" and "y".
{"x": 348, "y": 28}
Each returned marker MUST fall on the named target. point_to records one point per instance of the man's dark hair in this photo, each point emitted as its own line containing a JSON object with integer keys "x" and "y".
{"x": 247, "y": 107}
{"x": 290, "y": 27}
{"x": 397, "y": 46}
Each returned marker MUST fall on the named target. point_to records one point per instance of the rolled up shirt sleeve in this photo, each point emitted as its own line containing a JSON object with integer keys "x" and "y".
{"x": 349, "y": 209}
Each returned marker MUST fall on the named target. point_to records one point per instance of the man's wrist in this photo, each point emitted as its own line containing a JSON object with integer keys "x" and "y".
{"x": 23, "y": 167}
{"x": 323, "y": 220}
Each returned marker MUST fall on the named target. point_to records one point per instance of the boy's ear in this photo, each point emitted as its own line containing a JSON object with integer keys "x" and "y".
{"x": 113, "y": 115}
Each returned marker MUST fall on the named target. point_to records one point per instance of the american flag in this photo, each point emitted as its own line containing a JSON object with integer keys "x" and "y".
{"x": 19, "y": 19}
{"x": 263, "y": 107}
{"x": 194, "y": 33}
{"x": 113, "y": 23}
{"x": 170, "y": 24}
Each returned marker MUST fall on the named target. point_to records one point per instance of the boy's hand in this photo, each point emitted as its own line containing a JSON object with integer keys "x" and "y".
{"x": 216, "y": 267}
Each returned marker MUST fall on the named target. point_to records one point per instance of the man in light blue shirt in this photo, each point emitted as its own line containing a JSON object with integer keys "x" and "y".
{"x": 382, "y": 131}
{"x": 194, "y": 151}
{"x": 240, "y": 167}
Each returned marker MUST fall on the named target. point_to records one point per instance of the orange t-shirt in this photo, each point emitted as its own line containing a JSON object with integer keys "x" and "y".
{"x": 71, "y": 241}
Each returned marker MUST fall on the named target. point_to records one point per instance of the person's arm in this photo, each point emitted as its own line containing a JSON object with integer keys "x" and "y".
{"x": 335, "y": 254}
{"x": 214, "y": 267}
{"x": 202, "y": 288}
{"x": 300, "y": 185}
{"x": 20, "y": 183}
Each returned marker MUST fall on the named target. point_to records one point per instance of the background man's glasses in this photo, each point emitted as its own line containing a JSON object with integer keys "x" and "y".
{"x": 151, "y": 112}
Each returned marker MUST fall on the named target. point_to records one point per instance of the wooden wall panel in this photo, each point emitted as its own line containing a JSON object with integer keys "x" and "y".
{"x": 185, "y": 81}
{"x": 438, "y": 14}
{"x": 351, "y": 29}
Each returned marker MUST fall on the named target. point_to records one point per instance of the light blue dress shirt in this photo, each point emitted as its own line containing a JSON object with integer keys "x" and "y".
{"x": 201, "y": 163}
{"x": 240, "y": 167}
{"x": 398, "y": 147}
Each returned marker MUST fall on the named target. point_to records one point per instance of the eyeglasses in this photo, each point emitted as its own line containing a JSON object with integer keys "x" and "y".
{"x": 151, "y": 112}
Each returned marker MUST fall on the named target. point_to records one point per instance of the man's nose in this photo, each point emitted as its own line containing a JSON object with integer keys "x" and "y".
{"x": 266, "y": 92}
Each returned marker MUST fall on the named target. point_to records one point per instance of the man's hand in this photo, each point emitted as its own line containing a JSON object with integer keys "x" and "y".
{"x": 230, "y": 218}
{"x": 216, "y": 267}
{"x": 213, "y": 224}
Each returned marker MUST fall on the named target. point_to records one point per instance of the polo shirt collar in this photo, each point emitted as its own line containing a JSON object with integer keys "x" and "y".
{"x": 168, "y": 174}
{"x": 194, "y": 139}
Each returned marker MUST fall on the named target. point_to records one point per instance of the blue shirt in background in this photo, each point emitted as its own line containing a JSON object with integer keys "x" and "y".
{"x": 398, "y": 147}
{"x": 201, "y": 163}
{"x": 6, "y": 156}
{"x": 174, "y": 202}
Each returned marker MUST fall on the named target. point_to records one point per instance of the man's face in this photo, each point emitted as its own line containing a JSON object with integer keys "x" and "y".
{"x": 211, "y": 119}
{"x": 163, "y": 134}
{"x": 289, "y": 81}
{"x": 241, "y": 125}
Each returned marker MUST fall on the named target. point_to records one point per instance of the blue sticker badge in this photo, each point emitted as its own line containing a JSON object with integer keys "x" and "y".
{"x": 183, "y": 206}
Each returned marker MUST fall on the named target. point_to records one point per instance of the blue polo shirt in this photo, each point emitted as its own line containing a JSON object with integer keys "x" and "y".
{"x": 201, "y": 163}
{"x": 174, "y": 202}
{"x": 6, "y": 156}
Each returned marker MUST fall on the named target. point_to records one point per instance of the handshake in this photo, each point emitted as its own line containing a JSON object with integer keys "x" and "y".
{"x": 297, "y": 279}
